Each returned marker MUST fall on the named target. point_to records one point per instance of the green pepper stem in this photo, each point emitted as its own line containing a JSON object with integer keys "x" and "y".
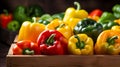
{"x": 5, "y": 11}
{"x": 34, "y": 19}
{"x": 28, "y": 52}
{"x": 79, "y": 44}
{"x": 50, "y": 40}
{"x": 78, "y": 5}
{"x": 61, "y": 25}
{"x": 111, "y": 40}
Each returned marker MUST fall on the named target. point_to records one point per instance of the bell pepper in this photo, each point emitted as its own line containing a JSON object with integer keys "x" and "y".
{"x": 59, "y": 25}
{"x": 30, "y": 31}
{"x": 25, "y": 47}
{"x": 108, "y": 42}
{"x": 116, "y": 28}
{"x": 5, "y": 18}
{"x": 52, "y": 42}
{"x": 46, "y": 17}
{"x": 35, "y": 11}
{"x": 45, "y": 22}
{"x": 108, "y": 24}
{"x": 96, "y": 12}
{"x": 73, "y": 16}
{"x": 80, "y": 44}
{"x": 20, "y": 14}
{"x": 58, "y": 16}
{"x": 89, "y": 27}
{"x": 117, "y": 21}
{"x": 13, "y": 25}
{"x": 116, "y": 10}
{"x": 106, "y": 16}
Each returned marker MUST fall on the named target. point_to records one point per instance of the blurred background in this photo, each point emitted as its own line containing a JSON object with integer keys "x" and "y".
{"x": 54, "y": 6}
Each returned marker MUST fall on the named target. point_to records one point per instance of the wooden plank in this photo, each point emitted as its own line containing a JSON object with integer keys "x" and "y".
{"x": 62, "y": 60}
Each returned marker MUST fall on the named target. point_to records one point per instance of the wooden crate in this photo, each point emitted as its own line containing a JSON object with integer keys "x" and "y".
{"x": 62, "y": 60}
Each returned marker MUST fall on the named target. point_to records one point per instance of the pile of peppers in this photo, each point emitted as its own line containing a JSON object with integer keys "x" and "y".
{"x": 73, "y": 32}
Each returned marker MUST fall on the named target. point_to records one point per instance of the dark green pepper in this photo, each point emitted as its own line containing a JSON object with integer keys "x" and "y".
{"x": 108, "y": 24}
{"x": 106, "y": 16}
{"x": 35, "y": 11}
{"x": 89, "y": 27}
{"x": 20, "y": 14}
{"x": 13, "y": 25}
{"x": 116, "y": 10}
{"x": 58, "y": 15}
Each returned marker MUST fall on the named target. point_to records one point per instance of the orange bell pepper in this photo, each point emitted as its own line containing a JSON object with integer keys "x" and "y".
{"x": 108, "y": 42}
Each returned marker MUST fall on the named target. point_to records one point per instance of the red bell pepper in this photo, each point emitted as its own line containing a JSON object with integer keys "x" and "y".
{"x": 5, "y": 18}
{"x": 96, "y": 12}
{"x": 52, "y": 42}
{"x": 26, "y": 47}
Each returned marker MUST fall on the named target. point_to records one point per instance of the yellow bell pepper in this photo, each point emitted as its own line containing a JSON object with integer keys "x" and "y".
{"x": 117, "y": 21}
{"x": 59, "y": 25}
{"x": 80, "y": 44}
{"x": 73, "y": 16}
{"x": 108, "y": 42}
{"x": 117, "y": 28}
{"x": 96, "y": 18}
{"x": 30, "y": 31}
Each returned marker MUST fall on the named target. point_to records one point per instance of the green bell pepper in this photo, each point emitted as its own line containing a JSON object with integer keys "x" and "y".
{"x": 116, "y": 10}
{"x": 45, "y": 22}
{"x": 13, "y": 25}
{"x": 46, "y": 17}
{"x": 35, "y": 11}
{"x": 106, "y": 16}
{"x": 89, "y": 27}
{"x": 58, "y": 15}
{"x": 108, "y": 24}
{"x": 20, "y": 14}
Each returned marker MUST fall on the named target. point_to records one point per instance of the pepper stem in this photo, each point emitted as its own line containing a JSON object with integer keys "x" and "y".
{"x": 28, "y": 52}
{"x": 5, "y": 11}
{"x": 61, "y": 25}
{"x": 50, "y": 40}
{"x": 79, "y": 44}
{"x": 78, "y": 5}
{"x": 111, "y": 40}
{"x": 34, "y": 19}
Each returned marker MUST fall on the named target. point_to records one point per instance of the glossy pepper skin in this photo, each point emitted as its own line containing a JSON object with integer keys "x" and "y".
{"x": 116, "y": 28}
{"x": 116, "y": 10}
{"x": 5, "y": 18}
{"x": 73, "y": 16}
{"x": 26, "y": 47}
{"x": 108, "y": 42}
{"x": 117, "y": 21}
{"x": 106, "y": 16}
{"x": 13, "y": 25}
{"x": 109, "y": 24}
{"x": 30, "y": 31}
{"x": 80, "y": 44}
{"x": 89, "y": 27}
{"x": 59, "y": 25}
{"x": 52, "y": 42}
{"x": 95, "y": 14}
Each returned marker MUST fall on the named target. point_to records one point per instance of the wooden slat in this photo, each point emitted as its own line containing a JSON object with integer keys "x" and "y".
{"x": 62, "y": 60}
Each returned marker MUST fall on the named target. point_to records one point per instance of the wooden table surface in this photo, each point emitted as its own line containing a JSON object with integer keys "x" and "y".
{"x": 3, "y": 52}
